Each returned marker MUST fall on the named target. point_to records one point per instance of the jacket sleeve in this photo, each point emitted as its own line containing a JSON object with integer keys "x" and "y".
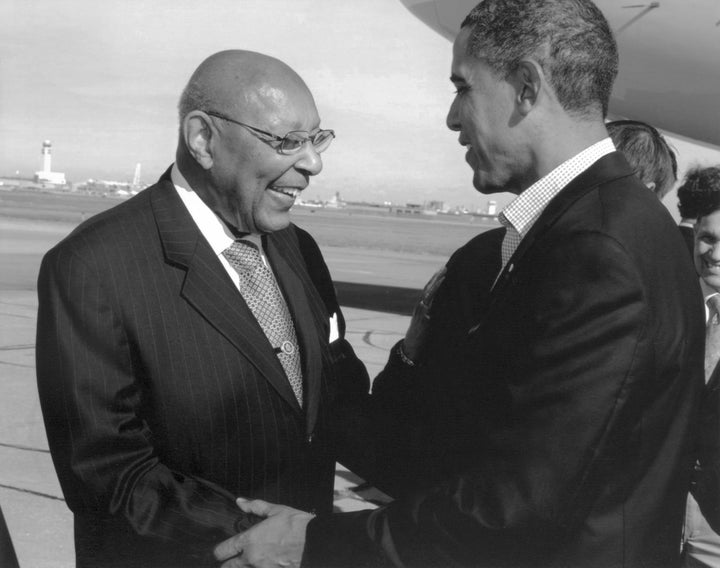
{"x": 404, "y": 396}
{"x": 93, "y": 392}
{"x": 573, "y": 402}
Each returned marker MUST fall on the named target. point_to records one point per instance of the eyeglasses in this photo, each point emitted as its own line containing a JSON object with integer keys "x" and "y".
{"x": 292, "y": 142}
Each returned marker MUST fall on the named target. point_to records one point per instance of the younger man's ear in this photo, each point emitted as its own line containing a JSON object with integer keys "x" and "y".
{"x": 197, "y": 132}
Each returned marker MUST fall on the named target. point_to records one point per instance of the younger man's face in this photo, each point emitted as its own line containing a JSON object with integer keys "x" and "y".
{"x": 707, "y": 249}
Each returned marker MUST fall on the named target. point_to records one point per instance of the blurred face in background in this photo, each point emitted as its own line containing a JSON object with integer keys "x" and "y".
{"x": 707, "y": 249}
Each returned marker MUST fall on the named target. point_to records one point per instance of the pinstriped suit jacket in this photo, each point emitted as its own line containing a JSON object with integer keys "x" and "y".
{"x": 162, "y": 398}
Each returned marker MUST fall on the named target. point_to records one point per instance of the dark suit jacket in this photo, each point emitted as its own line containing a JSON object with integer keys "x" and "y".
{"x": 689, "y": 236}
{"x": 706, "y": 483}
{"x": 404, "y": 414}
{"x": 162, "y": 397}
{"x": 8, "y": 559}
{"x": 566, "y": 418}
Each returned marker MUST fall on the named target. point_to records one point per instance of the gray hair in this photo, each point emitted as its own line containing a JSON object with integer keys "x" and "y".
{"x": 193, "y": 98}
{"x": 570, "y": 39}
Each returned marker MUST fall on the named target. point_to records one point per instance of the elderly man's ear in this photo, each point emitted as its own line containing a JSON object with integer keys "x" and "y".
{"x": 197, "y": 133}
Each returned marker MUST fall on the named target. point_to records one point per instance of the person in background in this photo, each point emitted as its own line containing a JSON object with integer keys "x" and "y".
{"x": 571, "y": 401}
{"x": 648, "y": 153}
{"x": 189, "y": 344}
{"x": 691, "y": 195}
{"x": 701, "y": 541}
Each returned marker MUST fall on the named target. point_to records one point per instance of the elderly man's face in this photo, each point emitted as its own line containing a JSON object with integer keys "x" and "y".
{"x": 483, "y": 113}
{"x": 257, "y": 184}
{"x": 707, "y": 249}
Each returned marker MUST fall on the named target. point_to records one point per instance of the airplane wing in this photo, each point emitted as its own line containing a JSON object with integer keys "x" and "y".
{"x": 669, "y": 52}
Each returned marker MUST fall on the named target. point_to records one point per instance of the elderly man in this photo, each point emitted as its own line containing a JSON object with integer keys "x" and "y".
{"x": 188, "y": 348}
{"x": 570, "y": 401}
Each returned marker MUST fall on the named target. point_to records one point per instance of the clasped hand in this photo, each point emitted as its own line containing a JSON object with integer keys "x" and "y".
{"x": 278, "y": 541}
{"x": 416, "y": 335}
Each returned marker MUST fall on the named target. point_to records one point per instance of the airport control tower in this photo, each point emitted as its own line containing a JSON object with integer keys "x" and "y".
{"x": 47, "y": 156}
{"x": 46, "y": 175}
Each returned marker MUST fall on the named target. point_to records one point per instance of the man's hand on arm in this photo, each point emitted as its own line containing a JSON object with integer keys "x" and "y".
{"x": 416, "y": 335}
{"x": 277, "y": 541}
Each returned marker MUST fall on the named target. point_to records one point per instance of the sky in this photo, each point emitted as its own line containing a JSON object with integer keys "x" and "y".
{"x": 101, "y": 79}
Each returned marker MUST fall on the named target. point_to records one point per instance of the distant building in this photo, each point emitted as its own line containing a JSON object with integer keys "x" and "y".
{"x": 335, "y": 201}
{"x": 435, "y": 205}
{"x": 108, "y": 187}
{"x": 46, "y": 175}
{"x": 407, "y": 209}
{"x": 115, "y": 188}
{"x": 11, "y": 182}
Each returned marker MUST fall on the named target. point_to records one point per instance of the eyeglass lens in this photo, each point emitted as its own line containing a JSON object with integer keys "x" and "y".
{"x": 293, "y": 141}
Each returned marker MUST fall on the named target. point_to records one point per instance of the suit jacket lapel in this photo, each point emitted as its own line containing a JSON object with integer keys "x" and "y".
{"x": 287, "y": 245}
{"x": 209, "y": 290}
{"x": 307, "y": 309}
{"x": 609, "y": 167}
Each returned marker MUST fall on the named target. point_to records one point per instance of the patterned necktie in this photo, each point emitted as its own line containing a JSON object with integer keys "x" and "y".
{"x": 712, "y": 336}
{"x": 263, "y": 297}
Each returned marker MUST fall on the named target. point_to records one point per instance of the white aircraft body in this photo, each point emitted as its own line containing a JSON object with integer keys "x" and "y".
{"x": 669, "y": 59}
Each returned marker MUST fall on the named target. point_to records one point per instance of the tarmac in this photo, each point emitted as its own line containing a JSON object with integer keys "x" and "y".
{"x": 40, "y": 524}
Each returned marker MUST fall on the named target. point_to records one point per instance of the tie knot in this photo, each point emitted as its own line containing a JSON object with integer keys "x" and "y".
{"x": 713, "y": 304}
{"x": 243, "y": 254}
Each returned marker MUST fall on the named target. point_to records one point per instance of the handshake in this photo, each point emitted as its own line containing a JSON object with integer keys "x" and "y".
{"x": 277, "y": 540}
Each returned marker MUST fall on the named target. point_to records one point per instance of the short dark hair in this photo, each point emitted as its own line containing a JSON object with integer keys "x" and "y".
{"x": 699, "y": 194}
{"x": 647, "y": 151}
{"x": 570, "y": 39}
{"x": 192, "y": 98}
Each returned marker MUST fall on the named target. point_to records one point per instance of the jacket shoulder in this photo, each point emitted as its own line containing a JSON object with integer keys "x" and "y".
{"x": 483, "y": 246}
{"x": 128, "y": 222}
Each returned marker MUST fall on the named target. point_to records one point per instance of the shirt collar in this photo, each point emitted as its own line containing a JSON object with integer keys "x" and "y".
{"x": 211, "y": 226}
{"x": 707, "y": 291}
{"x": 524, "y": 210}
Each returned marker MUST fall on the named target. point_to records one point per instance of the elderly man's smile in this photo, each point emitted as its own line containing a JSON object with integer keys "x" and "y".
{"x": 291, "y": 192}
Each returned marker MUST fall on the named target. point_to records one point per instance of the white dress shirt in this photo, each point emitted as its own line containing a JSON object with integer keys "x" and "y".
{"x": 707, "y": 291}
{"x": 520, "y": 215}
{"x": 214, "y": 230}
{"x": 218, "y": 235}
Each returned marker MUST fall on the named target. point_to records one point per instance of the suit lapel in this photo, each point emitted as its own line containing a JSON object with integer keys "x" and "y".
{"x": 287, "y": 245}
{"x": 308, "y": 313}
{"x": 610, "y": 167}
{"x": 209, "y": 290}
